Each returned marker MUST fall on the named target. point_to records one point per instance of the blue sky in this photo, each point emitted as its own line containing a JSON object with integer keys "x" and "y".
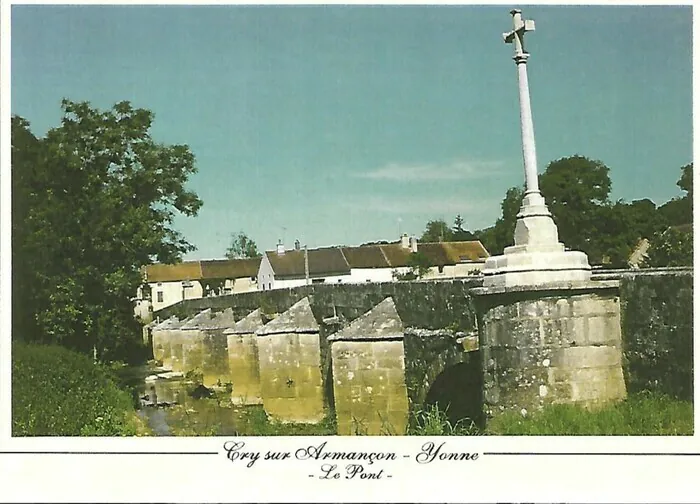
{"x": 345, "y": 124}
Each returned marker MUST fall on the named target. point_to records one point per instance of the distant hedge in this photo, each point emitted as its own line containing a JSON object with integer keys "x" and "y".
{"x": 57, "y": 392}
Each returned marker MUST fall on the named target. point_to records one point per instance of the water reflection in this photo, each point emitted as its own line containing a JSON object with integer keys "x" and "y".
{"x": 170, "y": 409}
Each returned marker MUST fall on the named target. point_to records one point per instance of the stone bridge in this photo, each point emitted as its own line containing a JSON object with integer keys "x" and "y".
{"x": 375, "y": 353}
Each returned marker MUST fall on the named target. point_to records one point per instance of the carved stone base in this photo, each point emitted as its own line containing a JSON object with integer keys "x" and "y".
{"x": 537, "y": 257}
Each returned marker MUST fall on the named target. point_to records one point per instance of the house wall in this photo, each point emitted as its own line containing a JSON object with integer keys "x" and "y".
{"x": 362, "y": 275}
{"x": 238, "y": 285}
{"x": 266, "y": 276}
{"x": 455, "y": 271}
{"x": 174, "y": 292}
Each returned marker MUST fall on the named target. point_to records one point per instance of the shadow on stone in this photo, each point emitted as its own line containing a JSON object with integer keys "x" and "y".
{"x": 458, "y": 392}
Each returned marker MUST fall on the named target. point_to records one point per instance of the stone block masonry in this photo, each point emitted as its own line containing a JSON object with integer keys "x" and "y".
{"x": 439, "y": 319}
{"x": 369, "y": 379}
{"x": 289, "y": 354}
{"x": 550, "y": 345}
{"x": 243, "y": 359}
{"x": 657, "y": 329}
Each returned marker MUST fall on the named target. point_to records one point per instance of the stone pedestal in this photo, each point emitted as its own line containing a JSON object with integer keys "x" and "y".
{"x": 537, "y": 256}
{"x": 369, "y": 374}
{"x": 550, "y": 344}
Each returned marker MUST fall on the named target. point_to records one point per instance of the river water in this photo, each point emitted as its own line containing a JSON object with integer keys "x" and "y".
{"x": 171, "y": 407}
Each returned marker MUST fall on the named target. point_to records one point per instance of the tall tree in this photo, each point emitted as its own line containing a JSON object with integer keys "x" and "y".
{"x": 241, "y": 247}
{"x": 575, "y": 188}
{"x": 436, "y": 231}
{"x": 95, "y": 201}
{"x": 679, "y": 211}
{"x": 458, "y": 231}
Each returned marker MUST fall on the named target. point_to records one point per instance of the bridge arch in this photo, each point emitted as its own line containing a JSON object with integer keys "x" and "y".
{"x": 434, "y": 360}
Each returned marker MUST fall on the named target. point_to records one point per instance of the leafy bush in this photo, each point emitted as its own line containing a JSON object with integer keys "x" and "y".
{"x": 58, "y": 392}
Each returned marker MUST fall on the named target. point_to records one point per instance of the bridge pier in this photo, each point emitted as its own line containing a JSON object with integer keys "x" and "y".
{"x": 369, "y": 374}
{"x": 242, "y": 346}
{"x": 289, "y": 356}
{"x": 550, "y": 344}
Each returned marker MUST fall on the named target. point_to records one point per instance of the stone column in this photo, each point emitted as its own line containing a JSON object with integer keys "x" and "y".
{"x": 536, "y": 256}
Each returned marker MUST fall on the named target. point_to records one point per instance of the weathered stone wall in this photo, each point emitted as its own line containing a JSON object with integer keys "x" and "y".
{"x": 429, "y": 353}
{"x": 657, "y": 331}
{"x": 550, "y": 346}
{"x": 215, "y": 369}
{"x": 244, "y": 372}
{"x": 430, "y": 305}
{"x": 290, "y": 376}
{"x": 370, "y": 387}
{"x": 656, "y": 318}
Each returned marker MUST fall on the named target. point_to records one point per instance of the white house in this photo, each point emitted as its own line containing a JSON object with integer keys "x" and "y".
{"x": 166, "y": 284}
{"x": 369, "y": 263}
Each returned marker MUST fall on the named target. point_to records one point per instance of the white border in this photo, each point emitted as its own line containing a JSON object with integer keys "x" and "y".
{"x": 198, "y": 478}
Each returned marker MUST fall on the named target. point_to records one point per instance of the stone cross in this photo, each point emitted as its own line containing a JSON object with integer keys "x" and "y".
{"x": 515, "y": 37}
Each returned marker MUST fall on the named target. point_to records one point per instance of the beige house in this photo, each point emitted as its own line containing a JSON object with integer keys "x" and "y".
{"x": 166, "y": 284}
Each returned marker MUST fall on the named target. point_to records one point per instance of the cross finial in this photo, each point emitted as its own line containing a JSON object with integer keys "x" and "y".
{"x": 520, "y": 26}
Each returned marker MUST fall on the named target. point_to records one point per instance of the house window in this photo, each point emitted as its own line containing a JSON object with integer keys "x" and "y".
{"x": 159, "y": 296}
{"x": 441, "y": 269}
{"x": 318, "y": 280}
{"x": 269, "y": 286}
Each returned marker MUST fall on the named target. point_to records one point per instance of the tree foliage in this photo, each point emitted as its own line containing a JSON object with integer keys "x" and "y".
{"x": 241, "y": 247}
{"x": 577, "y": 192}
{"x": 436, "y": 231}
{"x": 672, "y": 247}
{"x": 458, "y": 231}
{"x": 93, "y": 201}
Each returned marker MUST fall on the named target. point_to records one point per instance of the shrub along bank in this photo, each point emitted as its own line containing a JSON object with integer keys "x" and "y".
{"x": 57, "y": 392}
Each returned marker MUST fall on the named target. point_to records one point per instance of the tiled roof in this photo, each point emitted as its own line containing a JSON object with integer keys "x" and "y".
{"x": 190, "y": 270}
{"x": 465, "y": 251}
{"x": 368, "y": 256}
{"x": 236, "y": 268}
{"x": 323, "y": 261}
{"x": 200, "y": 270}
{"x": 328, "y": 261}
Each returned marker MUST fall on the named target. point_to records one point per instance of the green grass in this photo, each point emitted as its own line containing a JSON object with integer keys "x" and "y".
{"x": 255, "y": 422}
{"x": 642, "y": 414}
{"x": 434, "y": 422}
{"x": 58, "y": 392}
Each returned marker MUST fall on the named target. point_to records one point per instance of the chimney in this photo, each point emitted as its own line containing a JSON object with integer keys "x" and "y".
{"x": 414, "y": 244}
{"x": 280, "y": 248}
{"x": 404, "y": 241}
{"x": 297, "y": 245}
